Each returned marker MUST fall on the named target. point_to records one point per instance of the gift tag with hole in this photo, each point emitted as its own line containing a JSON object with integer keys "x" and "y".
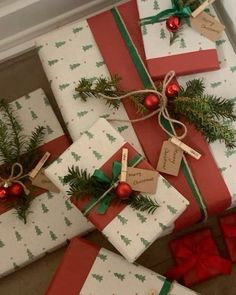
{"x": 170, "y": 158}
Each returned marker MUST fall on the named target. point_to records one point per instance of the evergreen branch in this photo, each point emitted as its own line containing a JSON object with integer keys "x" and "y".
{"x": 137, "y": 101}
{"x": 35, "y": 139}
{"x": 194, "y": 88}
{"x": 22, "y": 207}
{"x": 6, "y": 152}
{"x": 143, "y": 203}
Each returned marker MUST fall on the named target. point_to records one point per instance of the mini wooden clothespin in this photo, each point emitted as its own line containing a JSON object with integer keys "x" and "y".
{"x": 39, "y": 166}
{"x": 186, "y": 148}
{"x": 124, "y": 165}
{"x": 201, "y": 8}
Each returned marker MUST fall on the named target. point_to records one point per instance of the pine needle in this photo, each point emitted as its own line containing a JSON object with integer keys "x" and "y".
{"x": 143, "y": 203}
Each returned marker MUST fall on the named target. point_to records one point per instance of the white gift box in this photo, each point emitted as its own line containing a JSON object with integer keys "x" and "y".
{"x": 52, "y": 219}
{"x": 131, "y": 231}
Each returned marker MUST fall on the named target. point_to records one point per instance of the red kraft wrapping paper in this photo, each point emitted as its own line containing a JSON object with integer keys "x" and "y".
{"x": 228, "y": 227}
{"x": 216, "y": 197}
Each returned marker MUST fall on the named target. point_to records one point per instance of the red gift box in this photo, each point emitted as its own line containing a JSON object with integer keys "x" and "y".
{"x": 194, "y": 182}
{"x": 228, "y": 227}
{"x": 197, "y": 258}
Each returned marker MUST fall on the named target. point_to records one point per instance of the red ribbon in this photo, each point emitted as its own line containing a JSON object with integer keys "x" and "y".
{"x": 201, "y": 257}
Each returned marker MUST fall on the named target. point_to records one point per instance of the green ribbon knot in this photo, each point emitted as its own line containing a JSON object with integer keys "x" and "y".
{"x": 177, "y": 10}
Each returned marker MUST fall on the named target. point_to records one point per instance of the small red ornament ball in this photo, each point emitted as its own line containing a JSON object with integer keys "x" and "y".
{"x": 173, "y": 23}
{"x": 151, "y": 102}
{"x": 172, "y": 90}
{"x": 3, "y": 194}
{"x": 16, "y": 190}
{"x": 123, "y": 190}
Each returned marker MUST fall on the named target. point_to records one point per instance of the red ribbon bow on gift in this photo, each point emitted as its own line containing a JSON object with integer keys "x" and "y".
{"x": 199, "y": 256}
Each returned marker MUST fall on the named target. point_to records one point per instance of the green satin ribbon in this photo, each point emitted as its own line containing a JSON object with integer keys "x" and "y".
{"x": 177, "y": 9}
{"x": 165, "y": 288}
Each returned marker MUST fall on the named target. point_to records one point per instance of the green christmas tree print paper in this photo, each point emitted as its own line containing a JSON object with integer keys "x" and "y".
{"x": 67, "y": 55}
{"x": 158, "y": 34}
{"x": 222, "y": 83}
{"x": 51, "y": 221}
{"x": 131, "y": 232}
{"x": 112, "y": 274}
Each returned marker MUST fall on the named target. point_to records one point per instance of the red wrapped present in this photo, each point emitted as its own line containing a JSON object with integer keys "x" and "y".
{"x": 197, "y": 258}
{"x": 207, "y": 192}
{"x": 228, "y": 227}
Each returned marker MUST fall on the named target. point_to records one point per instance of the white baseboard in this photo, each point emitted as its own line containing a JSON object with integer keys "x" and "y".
{"x": 24, "y": 41}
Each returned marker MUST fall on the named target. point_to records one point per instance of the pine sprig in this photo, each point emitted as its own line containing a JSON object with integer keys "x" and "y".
{"x": 143, "y": 203}
{"x": 22, "y": 207}
{"x": 35, "y": 140}
{"x": 194, "y": 88}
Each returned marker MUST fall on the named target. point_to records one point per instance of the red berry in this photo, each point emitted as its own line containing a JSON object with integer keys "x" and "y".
{"x": 172, "y": 90}
{"x": 16, "y": 190}
{"x": 151, "y": 102}
{"x": 173, "y": 23}
{"x": 123, "y": 190}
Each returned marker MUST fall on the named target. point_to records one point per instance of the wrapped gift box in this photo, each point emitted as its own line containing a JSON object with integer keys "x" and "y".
{"x": 190, "y": 53}
{"x": 228, "y": 227}
{"x": 129, "y": 230}
{"x": 67, "y": 55}
{"x": 53, "y": 219}
{"x": 197, "y": 258}
{"x": 87, "y": 269}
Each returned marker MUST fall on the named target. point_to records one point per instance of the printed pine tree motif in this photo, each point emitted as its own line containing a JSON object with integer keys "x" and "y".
{"x": 125, "y": 240}
{"x": 18, "y": 236}
{"x": 16, "y": 267}
{"x": 229, "y": 153}
{"x": 38, "y": 48}
{"x": 74, "y": 66}
{"x": 156, "y": 5}
{"x": 1, "y": 244}
{"x": 67, "y": 221}
{"x": 49, "y": 129}
{"x": 27, "y": 96}
{"x": 145, "y": 242}
{"x": 33, "y": 115}
{"x": 110, "y": 137}
{"x": 76, "y": 95}
{"x": 18, "y": 105}
{"x": 220, "y": 42}
{"x": 122, "y": 128}
{"x": 87, "y": 47}
{"x": 140, "y": 277}
{"x": 44, "y": 208}
{"x": 233, "y": 69}
{"x": 162, "y": 34}
{"x": 68, "y": 205}
{"x": 105, "y": 116}
{"x": 163, "y": 226}
{"x": 30, "y": 254}
{"x": 52, "y": 235}
{"x": 38, "y": 230}
{"x": 182, "y": 43}
{"x": 144, "y": 30}
{"x": 97, "y": 277}
{"x": 89, "y": 134}
{"x": 46, "y": 101}
{"x": 216, "y": 84}
{"x": 60, "y": 44}
{"x": 77, "y": 30}
{"x": 100, "y": 64}
{"x": 64, "y": 86}
{"x": 166, "y": 183}
{"x": 141, "y": 217}
{"x": 49, "y": 195}
{"x": 222, "y": 169}
{"x": 59, "y": 160}
{"x": 92, "y": 79}
{"x": 119, "y": 276}
{"x": 52, "y": 62}
{"x": 97, "y": 155}
{"x": 61, "y": 179}
{"x": 122, "y": 219}
{"x": 103, "y": 257}
{"x": 171, "y": 209}
{"x": 82, "y": 114}
{"x": 75, "y": 156}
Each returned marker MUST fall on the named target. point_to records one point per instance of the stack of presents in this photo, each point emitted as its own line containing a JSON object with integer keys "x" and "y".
{"x": 147, "y": 92}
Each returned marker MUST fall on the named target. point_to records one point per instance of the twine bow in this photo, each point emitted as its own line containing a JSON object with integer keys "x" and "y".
{"x": 7, "y": 181}
{"x": 177, "y": 10}
{"x": 161, "y": 111}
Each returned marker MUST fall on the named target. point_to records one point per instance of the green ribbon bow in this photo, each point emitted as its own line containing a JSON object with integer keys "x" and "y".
{"x": 177, "y": 9}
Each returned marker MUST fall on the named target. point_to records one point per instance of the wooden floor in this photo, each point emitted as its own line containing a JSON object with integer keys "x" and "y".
{"x": 23, "y": 75}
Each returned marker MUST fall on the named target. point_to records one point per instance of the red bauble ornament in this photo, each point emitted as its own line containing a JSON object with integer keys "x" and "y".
{"x": 151, "y": 102}
{"x": 3, "y": 194}
{"x": 172, "y": 90}
{"x": 15, "y": 190}
{"x": 173, "y": 23}
{"x": 123, "y": 190}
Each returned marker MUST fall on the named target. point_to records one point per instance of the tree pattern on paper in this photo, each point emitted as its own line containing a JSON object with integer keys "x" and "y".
{"x": 141, "y": 217}
{"x": 30, "y": 254}
{"x": 77, "y": 30}
{"x": 74, "y": 66}
{"x": 82, "y": 114}
{"x": 110, "y": 137}
{"x": 67, "y": 221}
{"x": 103, "y": 257}
{"x": 44, "y": 208}
{"x": 162, "y": 34}
{"x": 119, "y": 276}
{"x": 52, "y": 235}
{"x": 145, "y": 242}
{"x": 64, "y": 86}
{"x": 52, "y": 62}
{"x": 141, "y": 278}
{"x": 75, "y": 156}
{"x": 122, "y": 128}
{"x": 172, "y": 209}
{"x": 97, "y": 155}
{"x": 126, "y": 240}
{"x": 99, "y": 278}
{"x": 87, "y": 47}
{"x": 60, "y": 44}
{"x": 38, "y": 230}
{"x": 18, "y": 236}
{"x": 122, "y": 219}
